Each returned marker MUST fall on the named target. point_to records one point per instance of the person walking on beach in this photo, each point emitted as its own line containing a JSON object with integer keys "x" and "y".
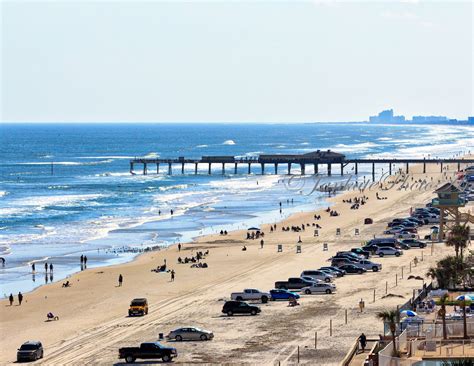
{"x": 46, "y": 266}
{"x": 120, "y": 280}
{"x": 20, "y": 298}
{"x": 82, "y": 258}
{"x": 179, "y": 247}
{"x": 361, "y": 305}
{"x": 51, "y": 267}
{"x": 261, "y": 244}
{"x": 85, "y": 260}
{"x": 363, "y": 342}
{"x": 10, "y": 298}
{"x": 172, "y": 275}
{"x": 33, "y": 268}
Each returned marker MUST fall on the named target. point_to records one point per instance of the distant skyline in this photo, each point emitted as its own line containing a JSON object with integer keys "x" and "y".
{"x": 222, "y": 61}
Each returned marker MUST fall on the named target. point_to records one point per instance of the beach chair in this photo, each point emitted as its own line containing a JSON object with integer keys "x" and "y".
{"x": 356, "y": 232}
{"x": 338, "y": 231}
{"x": 325, "y": 247}
{"x": 298, "y": 249}
{"x": 316, "y": 232}
{"x": 280, "y": 248}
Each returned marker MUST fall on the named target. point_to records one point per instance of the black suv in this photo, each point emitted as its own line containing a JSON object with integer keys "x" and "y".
{"x": 240, "y": 307}
{"x": 30, "y": 351}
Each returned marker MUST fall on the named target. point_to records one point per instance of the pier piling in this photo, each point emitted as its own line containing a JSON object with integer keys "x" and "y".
{"x": 316, "y": 158}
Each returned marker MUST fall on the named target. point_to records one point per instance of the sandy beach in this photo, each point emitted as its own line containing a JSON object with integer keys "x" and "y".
{"x": 93, "y": 320}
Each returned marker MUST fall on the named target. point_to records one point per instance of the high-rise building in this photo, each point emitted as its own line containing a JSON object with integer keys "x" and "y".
{"x": 386, "y": 117}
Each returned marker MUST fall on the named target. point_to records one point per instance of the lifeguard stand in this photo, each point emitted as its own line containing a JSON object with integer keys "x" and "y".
{"x": 448, "y": 202}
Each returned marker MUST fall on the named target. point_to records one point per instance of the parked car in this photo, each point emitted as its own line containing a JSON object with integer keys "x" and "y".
{"x": 394, "y": 230}
{"x": 30, "y": 351}
{"x": 310, "y": 279}
{"x": 369, "y": 265}
{"x": 190, "y": 334}
{"x": 361, "y": 251}
{"x": 415, "y": 220}
{"x": 147, "y": 351}
{"x": 338, "y": 262}
{"x": 251, "y": 294}
{"x": 350, "y": 254}
{"x": 332, "y": 273}
{"x": 350, "y": 268}
{"x": 413, "y": 243}
{"x": 239, "y": 307}
{"x": 394, "y": 222}
{"x": 317, "y": 275}
{"x": 334, "y": 269}
{"x": 405, "y": 235}
{"x": 325, "y": 288}
{"x": 283, "y": 295}
{"x": 293, "y": 283}
{"x": 382, "y": 251}
{"x": 138, "y": 307}
{"x": 374, "y": 244}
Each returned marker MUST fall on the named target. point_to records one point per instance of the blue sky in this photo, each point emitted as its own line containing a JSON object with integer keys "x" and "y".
{"x": 266, "y": 61}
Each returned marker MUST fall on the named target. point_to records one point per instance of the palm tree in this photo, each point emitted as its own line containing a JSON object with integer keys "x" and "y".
{"x": 446, "y": 272}
{"x": 442, "y": 301}
{"x": 463, "y": 304}
{"x": 458, "y": 238}
{"x": 390, "y": 317}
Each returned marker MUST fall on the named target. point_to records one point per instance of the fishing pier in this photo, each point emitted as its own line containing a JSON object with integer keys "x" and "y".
{"x": 315, "y": 159}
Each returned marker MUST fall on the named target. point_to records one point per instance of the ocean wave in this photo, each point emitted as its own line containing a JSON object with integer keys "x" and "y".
{"x": 420, "y": 151}
{"x": 202, "y": 146}
{"x": 3, "y": 193}
{"x": 38, "y": 203}
{"x": 362, "y": 147}
{"x": 66, "y": 163}
{"x": 107, "y": 157}
{"x": 152, "y": 155}
{"x": 169, "y": 188}
{"x": 113, "y": 174}
{"x": 228, "y": 142}
{"x": 58, "y": 187}
{"x": 384, "y": 139}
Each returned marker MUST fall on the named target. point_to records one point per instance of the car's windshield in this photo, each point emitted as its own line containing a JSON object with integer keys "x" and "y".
{"x": 137, "y": 303}
{"x": 28, "y": 347}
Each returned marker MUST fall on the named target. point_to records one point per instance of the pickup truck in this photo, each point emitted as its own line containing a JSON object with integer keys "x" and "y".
{"x": 251, "y": 294}
{"x": 147, "y": 351}
{"x": 293, "y": 283}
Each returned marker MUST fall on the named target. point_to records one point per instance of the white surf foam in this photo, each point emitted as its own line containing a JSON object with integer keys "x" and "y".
{"x": 228, "y": 142}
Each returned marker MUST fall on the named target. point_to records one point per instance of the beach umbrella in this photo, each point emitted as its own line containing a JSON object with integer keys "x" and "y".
{"x": 465, "y": 298}
{"x": 253, "y": 229}
{"x": 408, "y": 313}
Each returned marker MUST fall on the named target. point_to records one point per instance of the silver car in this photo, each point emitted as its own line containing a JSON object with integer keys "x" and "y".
{"x": 190, "y": 334}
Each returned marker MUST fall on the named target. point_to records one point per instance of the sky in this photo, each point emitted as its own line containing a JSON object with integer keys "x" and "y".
{"x": 234, "y": 61}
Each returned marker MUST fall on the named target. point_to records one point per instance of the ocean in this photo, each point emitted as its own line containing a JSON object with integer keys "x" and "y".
{"x": 66, "y": 189}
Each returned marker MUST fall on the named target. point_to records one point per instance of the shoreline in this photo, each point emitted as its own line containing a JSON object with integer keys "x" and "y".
{"x": 194, "y": 298}
{"x": 124, "y": 257}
